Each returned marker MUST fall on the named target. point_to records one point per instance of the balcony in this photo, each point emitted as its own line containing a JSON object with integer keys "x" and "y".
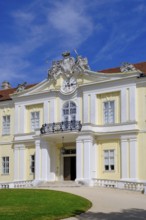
{"x": 61, "y": 127}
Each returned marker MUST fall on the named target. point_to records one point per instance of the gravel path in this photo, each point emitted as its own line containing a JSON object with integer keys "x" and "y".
{"x": 110, "y": 204}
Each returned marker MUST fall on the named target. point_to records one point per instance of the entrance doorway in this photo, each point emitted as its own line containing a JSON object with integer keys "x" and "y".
{"x": 70, "y": 168}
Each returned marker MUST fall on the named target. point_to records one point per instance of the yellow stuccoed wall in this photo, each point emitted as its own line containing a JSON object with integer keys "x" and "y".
{"x": 101, "y": 98}
{"x": 142, "y": 156}
{"x": 3, "y": 112}
{"x": 141, "y": 112}
{"x": 7, "y": 151}
{"x": 141, "y": 119}
{"x": 108, "y": 145}
{"x": 6, "y": 147}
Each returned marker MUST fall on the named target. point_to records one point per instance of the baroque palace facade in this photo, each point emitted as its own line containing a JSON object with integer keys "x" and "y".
{"x": 76, "y": 125}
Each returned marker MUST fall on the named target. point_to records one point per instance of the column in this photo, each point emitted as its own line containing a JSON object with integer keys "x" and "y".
{"x": 22, "y": 174}
{"x": 94, "y": 160}
{"x": 133, "y": 158}
{"x": 46, "y": 112}
{"x": 85, "y": 160}
{"x": 44, "y": 160}
{"x": 16, "y": 163}
{"x": 48, "y": 161}
{"x": 85, "y": 108}
{"x": 132, "y": 104}
{"x": 123, "y": 105}
{"x": 88, "y": 145}
{"x": 23, "y": 119}
{"x": 19, "y": 162}
{"x": 79, "y": 159}
{"x": 93, "y": 109}
{"x": 52, "y": 158}
{"x": 52, "y": 110}
{"x": 124, "y": 159}
{"x": 16, "y": 119}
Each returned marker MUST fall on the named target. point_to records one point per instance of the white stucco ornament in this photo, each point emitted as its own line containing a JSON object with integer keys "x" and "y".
{"x": 126, "y": 67}
{"x": 68, "y": 66}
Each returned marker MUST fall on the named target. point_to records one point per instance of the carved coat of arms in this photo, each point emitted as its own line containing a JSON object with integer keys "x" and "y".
{"x": 67, "y": 66}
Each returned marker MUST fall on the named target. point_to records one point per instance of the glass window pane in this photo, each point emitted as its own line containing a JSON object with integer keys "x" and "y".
{"x": 106, "y": 167}
{"x": 69, "y": 109}
{"x": 35, "y": 120}
{"x": 5, "y": 165}
{"x": 112, "y": 153}
{"x": 109, "y": 160}
{"x": 109, "y": 112}
{"x": 6, "y": 124}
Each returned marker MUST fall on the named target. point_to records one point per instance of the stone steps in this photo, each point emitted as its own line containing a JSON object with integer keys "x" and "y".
{"x": 58, "y": 184}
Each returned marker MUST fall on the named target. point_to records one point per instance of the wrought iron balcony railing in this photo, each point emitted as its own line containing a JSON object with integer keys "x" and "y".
{"x": 61, "y": 126}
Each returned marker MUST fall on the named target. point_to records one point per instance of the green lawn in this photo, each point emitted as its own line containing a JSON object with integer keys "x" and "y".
{"x": 28, "y": 204}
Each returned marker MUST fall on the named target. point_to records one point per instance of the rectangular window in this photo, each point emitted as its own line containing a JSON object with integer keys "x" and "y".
{"x": 35, "y": 120}
{"x": 109, "y": 161}
{"x": 32, "y": 163}
{"x": 6, "y": 125}
{"x": 5, "y": 165}
{"x": 109, "y": 116}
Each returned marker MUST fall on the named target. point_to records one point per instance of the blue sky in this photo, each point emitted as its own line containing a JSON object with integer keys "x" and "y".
{"x": 33, "y": 33}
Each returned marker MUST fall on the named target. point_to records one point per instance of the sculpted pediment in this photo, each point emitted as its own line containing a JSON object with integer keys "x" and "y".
{"x": 69, "y": 73}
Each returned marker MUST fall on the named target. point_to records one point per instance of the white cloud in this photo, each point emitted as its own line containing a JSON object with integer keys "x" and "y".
{"x": 40, "y": 24}
{"x": 72, "y": 23}
{"x": 54, "y": 26}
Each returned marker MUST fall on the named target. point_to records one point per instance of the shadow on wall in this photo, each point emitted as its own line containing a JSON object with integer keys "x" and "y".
{"x": 126, "y": 214}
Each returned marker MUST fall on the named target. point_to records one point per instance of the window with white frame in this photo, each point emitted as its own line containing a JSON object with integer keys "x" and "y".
{"x": 109, "y": 112}
{"x": 6, "y": 125}
{"x": 32, "y": 163}
{"x": 35, "y": 120}
{"x": 5, "y": 165}
{"x": 69, "y": 111}
{"x": 109, "y": 160}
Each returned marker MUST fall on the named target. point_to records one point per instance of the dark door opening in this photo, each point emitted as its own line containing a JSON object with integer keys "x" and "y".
{"x": 69, "y": 168}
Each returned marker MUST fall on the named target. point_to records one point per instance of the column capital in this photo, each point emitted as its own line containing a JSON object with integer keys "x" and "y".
{"x": 87, "y": 137}
{"x": 19, "y": 146}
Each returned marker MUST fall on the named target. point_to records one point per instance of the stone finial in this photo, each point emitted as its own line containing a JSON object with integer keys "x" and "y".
{"x": 127, "y": 67}
{"x": 21, "y": 87}
{"x": 6, "y": 85}
{"x": 66, "y": 54}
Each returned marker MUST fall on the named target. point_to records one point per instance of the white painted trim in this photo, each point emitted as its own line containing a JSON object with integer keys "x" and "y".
{"x": 46, "y": 111}
{"x": 79, "y": 159}
{"x": 123, "y": 105}
{"x": 22, "y": 163}
{"x": 93, "y": 111}
{"x": 16, "y": 163}
{"x": 124, "y": 159}
{"x": 132, "y": 104}
{"x": 16, "y": 124}
{"x": 45, "y": 161}
{"x": 52, "y": 110}
{"x": 133, "y": 159}
{"x": 85, "y": 108}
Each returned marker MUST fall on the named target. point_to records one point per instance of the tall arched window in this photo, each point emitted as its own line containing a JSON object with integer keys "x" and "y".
{"x": 69, "y": 111}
